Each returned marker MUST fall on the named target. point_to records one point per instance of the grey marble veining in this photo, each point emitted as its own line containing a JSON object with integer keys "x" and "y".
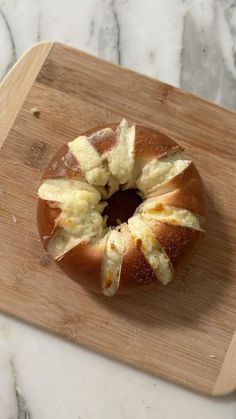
{"x": 187, "y": 43}
{"x": 208, "y": 57}
{"x": 21, "y": 407}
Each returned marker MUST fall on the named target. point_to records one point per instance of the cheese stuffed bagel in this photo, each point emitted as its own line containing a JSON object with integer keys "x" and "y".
{"x": 144, "y": 249}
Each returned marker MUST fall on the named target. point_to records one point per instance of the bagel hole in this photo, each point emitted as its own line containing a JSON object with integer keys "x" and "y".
{"x": 121, "y": 206}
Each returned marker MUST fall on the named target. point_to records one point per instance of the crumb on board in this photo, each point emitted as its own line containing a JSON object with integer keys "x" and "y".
{"x": 118, "y": 221}
{"x": 35, "y": 112}
{"x": 212, "y": 356}
{"x": 14, "y": 219}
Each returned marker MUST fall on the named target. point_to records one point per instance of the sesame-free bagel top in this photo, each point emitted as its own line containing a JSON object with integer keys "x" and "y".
{"x": 162, "y": 234}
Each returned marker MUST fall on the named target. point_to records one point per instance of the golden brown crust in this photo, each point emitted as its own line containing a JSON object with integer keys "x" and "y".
{"x": 46, "y": 217}
{"x": 178, "y": 242}
{"x": 136, "y": 273}
{"x": 83, "y": 264}
{"x": 103, "y": 142}
{"x": 151, "y": 144}
{"x": 63, "y": 165}
{"x": 148, "y": 144}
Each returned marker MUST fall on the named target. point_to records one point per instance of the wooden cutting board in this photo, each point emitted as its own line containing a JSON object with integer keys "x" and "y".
{"x": 186, "y": 331}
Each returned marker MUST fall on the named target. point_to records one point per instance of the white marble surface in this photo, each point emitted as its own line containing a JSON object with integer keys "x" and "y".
{"x": 188, "y": 43}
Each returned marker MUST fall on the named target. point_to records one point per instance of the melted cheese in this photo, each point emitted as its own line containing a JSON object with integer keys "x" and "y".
{"x": 121, "y": 157}
{"x": 91, "y": 163}
{"x": 80, "y": 218}
{"x": 154, "y": 211}
{"x": 159, "y": 171}
{"x": 60, "y": 243}
{"x": 148, "y": 244}
{"x": 58, "y": 190}
{"x": 111, "y": 187}
{"x": 111, "y": 264}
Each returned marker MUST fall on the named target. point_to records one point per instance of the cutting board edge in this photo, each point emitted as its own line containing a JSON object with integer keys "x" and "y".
{"x": 226, "y": 380}
{"x": 221, "y": 388}
{"x": 40, "y": 52}
{"x": 36, "y": 57}
{"x": 17, "y": 83}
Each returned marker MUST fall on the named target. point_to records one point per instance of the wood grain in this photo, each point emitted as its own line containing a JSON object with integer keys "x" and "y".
{"x": 225, "y": 382}
{"x": 18, "y": 82}
{"x": 185, "y": 331}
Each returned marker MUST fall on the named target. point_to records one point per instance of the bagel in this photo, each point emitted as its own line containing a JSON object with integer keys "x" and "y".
{"x": 160, "y": 237}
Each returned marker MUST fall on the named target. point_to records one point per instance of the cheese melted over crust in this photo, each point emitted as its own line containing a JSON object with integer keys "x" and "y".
{"x": 152, "y": 211}
{"x": 148, "y": 244}
{"x": 82, "y": 204}
{"x": 158, "y": 171}
{"x": 111, "y": 264}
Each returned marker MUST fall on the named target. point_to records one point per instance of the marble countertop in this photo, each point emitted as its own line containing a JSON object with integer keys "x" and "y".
{"x": 187, "y": 43}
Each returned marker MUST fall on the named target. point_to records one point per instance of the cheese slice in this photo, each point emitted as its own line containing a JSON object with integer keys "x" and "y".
{"x": 158, "y": 171}
{"x": 62, "y": 242}
{"x": 90, "y": 161}
{"x": 111, "y": 264}
{"x": 59, "y": 189}
{"x": 152, "y": 210}
{"x": 151, "y": 249}
{"x": 80, "y": 218}
{"x": 121, "y": 157}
